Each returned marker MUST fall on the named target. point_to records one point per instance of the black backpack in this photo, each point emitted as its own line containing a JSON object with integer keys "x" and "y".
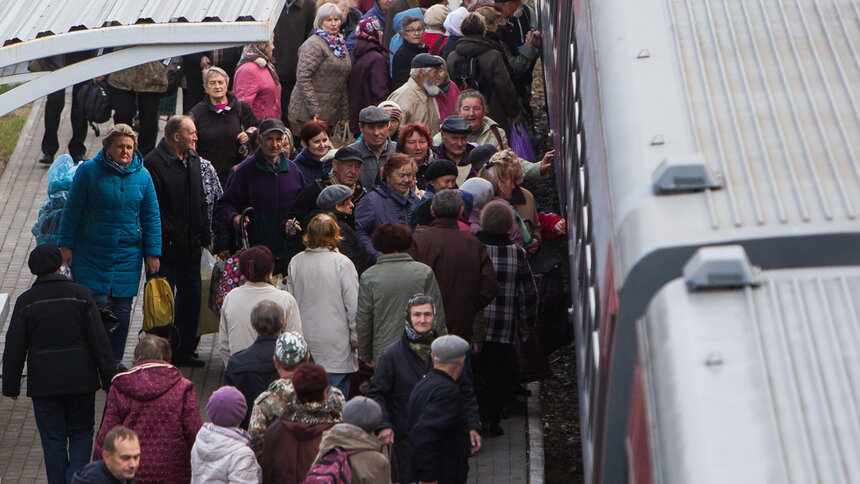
{"x": 466, "y": 74}
{"x": 95, "y": 103}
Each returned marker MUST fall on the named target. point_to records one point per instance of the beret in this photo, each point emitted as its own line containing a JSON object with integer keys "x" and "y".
{"x": 440, "y": 167}
{"x": 333, "y": 195}
{"x": 435, "y": 16}
{"x": 362, "y": 412}
{"x": 272, "y": 124}
{"x": 481, "y": 154}
{"x": 456, "y": 124}
{"x": 45, "y": 259}
{"x": 426, "y": 60}
{"x": 449, "y": 348}
{"x": 373, "y": 115}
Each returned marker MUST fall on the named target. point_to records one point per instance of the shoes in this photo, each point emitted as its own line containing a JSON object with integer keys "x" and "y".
{"x": 188, "y": 361}
{"x": 46, "y": 159}
{"x": 494, "y": 430}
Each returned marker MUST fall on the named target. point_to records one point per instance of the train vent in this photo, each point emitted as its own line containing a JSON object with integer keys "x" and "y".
{"x": 685, "y": 175}
{"x": 720, "y": 267}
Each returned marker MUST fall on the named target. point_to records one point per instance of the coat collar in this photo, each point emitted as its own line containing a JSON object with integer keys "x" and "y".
{"x": 396, "y": 257}
{"x": 169, "y": 156}
{"x": 133, "y": 167}
{"x": 488, "y": 238}
{"x": 445, "y": 223}
{"x": 419, "y": 91}
{"x": 263, "y": 165}
{"x": 50, "y": 278}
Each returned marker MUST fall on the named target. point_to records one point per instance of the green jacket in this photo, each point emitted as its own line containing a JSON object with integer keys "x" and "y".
{"x": 383, "y": 293}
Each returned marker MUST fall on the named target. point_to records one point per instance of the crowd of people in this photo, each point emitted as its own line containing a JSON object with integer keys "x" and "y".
{"x": 385, "y": 281}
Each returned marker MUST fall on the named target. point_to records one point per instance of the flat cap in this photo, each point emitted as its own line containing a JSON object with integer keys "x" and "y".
{"x": 426, "y": 60}
{"x": 348, "y": 153}
{"x": 440, "y": 167}
{"x": 45, "y": 259}
{"x": 481, "y": 154}
{"x": 363, "y": 413}
{"x": 373, "y": 115}
{"x": 333, "y": 195}
{"x": 449, "y": 348}
{"x": 456, "y": 124}
{"x": 272, "y": 124}
{"x": 291, "y": 349}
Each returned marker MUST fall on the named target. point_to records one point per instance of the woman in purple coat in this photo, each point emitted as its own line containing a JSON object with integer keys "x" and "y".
{"x": 369, "y": 83}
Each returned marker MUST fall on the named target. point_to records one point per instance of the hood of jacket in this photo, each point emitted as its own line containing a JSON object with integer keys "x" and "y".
{"x": 348, "y": 437}
{"x": 473, "y": 46}
{"x": 147, "y": 380}
{"x": 214, "y": 443}
{"x": 363, "y": 47}
{"x": 133, "y": 167}
{"x": 304, "y": 432}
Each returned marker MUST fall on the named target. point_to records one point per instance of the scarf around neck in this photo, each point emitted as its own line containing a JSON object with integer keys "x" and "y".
{"x": 335, "y": 42}
{"x": 420, "y": 342}
{"x": 253, "y": 53}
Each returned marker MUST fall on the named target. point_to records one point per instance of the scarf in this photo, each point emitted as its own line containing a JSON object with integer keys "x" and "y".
{"x": 419, "y": 343}
{"x": 254, "y": 53}
{"x": 335, "y": 42}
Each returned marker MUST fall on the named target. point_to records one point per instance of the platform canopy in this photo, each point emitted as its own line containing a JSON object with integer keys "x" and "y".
{"x": 139, "y": 31}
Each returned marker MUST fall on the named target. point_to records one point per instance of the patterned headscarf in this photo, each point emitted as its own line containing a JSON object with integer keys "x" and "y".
{"x": 335, "y": 42}
{"x": 369, "y": 29}
{"x": 257, "y": 53}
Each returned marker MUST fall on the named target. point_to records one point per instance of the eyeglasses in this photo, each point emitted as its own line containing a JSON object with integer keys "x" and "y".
{"x": 414, "y": 31}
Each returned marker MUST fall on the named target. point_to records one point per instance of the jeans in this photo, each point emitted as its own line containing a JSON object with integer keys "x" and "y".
{"x": 185, "y": 280}
{"x": 121, "y": 308}
{"x": 65, "y": 426}
{"x": 341, "y": 381}
{"x": 53, "y": 109}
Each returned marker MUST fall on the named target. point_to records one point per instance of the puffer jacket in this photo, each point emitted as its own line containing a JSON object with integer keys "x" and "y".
{"x": 223, "y": 455}
{"x": 369, "y": 465}
{"x": 369, "y": 83}
{"x": 381, "y": 205}
{"x": 320, "y": 84}
{"x": 111, "y": 220}
{"x": 160, "y": 405}
{"x": 502, "y": 103}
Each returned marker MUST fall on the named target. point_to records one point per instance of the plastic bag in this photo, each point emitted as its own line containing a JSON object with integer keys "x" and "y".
{"x": 520, "y": 142}
{"x": 60, "y": 176}
{"x": 208, "y": 321}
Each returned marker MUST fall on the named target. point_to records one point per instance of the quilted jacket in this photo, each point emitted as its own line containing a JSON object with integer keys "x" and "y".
{"x": 320, "y": 84}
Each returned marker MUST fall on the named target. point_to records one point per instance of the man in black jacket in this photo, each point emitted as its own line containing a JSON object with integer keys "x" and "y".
{"x": 57, "y": 329}
{"x": 175, "y": 168}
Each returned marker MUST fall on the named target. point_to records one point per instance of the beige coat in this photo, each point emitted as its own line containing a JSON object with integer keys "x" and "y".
{"x": 370, "y": 466}
{"x": 320, "y": 84}
{"x": 417, "y": 106}
{"x": 148, "y": 77}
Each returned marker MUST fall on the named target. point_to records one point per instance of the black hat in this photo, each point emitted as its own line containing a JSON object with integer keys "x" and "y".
{"x": 426, "y": 60}
{"x": 456, "y": 124}
{"x": 45, "y": 259}
{"x": 373, "y": 115}
{"x": 348, "y": 153}
{"x": 272, "y": 124}
{"x": 480, "y": 155}
{"x": 438, "y": 168}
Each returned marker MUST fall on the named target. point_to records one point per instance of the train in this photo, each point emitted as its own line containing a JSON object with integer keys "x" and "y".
{"x": 706, "y": 158}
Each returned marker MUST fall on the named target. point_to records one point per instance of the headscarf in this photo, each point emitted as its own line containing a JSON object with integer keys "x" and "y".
{"x": 369, "y": 30}
{"x": 420, "y": 342}
{"x": 335, "y": 42}
{"x": 455, "y": 20}
{"x": 257, "y": 53}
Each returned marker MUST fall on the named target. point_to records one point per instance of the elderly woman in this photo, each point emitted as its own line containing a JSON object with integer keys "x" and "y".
{"x": 324, "y": 66}
{"x": 412, "y": 30}
{"x": 415, "y": 140}
{"x": 110, "y": 224}
{"x": 315, "y": 137}
{"x": 504, "y": 173}
{"x": 482, "y": 192}
{"x": 225, "y": 125}
{"x": 369, "y": 82}
{"x": 325, "y": 284}
{"x": 256, "y": 80}
{"x": 386, "y": 288}
{"x": 391, "y": 201}
{"x": 160, "y": 405}
{"x": 434, "y": 29}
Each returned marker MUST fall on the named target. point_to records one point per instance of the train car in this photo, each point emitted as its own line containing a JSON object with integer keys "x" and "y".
{"x": 683, "y": 124}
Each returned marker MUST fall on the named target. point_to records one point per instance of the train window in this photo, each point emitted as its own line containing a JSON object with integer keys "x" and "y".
{"x": 589, "y": 261}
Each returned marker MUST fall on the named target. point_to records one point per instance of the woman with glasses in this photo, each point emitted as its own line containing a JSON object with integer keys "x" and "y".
{"x": 412, "y": 30}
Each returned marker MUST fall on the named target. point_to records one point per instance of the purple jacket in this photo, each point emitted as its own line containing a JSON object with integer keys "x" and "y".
{"x": 369, "y": 83}
{"x": 380, "y": 206}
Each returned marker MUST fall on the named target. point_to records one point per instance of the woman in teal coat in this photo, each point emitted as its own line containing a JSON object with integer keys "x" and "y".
{"x": 110, "y": 223}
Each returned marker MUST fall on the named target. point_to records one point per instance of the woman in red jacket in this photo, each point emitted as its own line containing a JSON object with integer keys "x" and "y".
{"x": 160, "y": 405}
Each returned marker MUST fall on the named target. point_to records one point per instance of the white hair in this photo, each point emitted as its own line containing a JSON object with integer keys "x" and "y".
{"x": 417, "y": 71}
{"x": 326, "y": 11}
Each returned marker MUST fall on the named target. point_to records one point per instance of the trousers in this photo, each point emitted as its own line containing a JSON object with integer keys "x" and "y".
{"x": 65, "y": 426}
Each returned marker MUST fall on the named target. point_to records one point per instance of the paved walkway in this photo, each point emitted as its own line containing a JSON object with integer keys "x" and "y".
{"x": 22, "y": 192}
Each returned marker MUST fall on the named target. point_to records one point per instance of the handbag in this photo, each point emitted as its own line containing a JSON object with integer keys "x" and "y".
{"x": 245, "y": 149}
{"x": 520, "y": 142}
{"x": 532, "y": 359}
{"x": 226, "y": 275}
{"x": 341, "y": 135}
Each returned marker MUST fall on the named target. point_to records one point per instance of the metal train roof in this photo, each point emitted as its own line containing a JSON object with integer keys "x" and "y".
{"x": 759, "y": 384}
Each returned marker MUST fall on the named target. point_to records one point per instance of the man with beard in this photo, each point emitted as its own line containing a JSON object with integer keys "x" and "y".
{"x": 417, "y": 97}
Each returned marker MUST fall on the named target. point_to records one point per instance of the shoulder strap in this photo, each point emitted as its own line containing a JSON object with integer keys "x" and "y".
{"x": 437, "y": 46}
{"x": 495, "y": 129}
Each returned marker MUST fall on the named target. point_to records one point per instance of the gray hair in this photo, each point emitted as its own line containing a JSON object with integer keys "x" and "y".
{"x": 267, "y": 317}
{"x": 447, "y": 204}
{"x": 417, "y": 71}
{"x": 120, "y": 129}
{"x": 471, "y": 94}
{"x": 409, "y": 19}
{"x": 326, "y": 11}
{"x": 207, "y": 73}
{"x": 497, "y": 217}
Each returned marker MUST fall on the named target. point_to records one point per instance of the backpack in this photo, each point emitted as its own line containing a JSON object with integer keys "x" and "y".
{"x": 158, "y": 306}
{"x": 437, "y": 47}
{"x": 466, "y": 74}
{"x": 94, "y": 99}
{"x": 332, "y": 468}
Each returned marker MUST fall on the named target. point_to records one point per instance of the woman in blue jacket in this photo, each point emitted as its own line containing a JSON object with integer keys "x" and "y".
{"x": 110, "y": 224}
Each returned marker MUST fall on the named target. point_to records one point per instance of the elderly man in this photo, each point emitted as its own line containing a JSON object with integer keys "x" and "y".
{"x": 345, "y": 169}
{"x": 175, "y": 168}
{"x": 439, "y": 441}
{"x": 455, "y": 146}
{"x": 120, "y": 459}
{"x": 374, "y": 146}
{"x": 460, "y": 262}
{"x": 440, "y": 175}
{"x": 417, "y": 97}
{"x": 337, "y": 199}
{"x": 291, "y": 350}
{"x": 57, "y": 329}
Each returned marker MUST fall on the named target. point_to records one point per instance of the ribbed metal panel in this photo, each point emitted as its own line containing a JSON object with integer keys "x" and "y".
{"x": 28, "y": 19}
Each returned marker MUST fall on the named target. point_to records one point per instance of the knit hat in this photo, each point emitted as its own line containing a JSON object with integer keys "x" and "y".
{"x": 333, "y": 195}
{"x": 438, "y": 168}
{"x": 291, "y": 349}
{"x": 455, "y": 20}
{"x": 363, "y": 413}
{"x": 481, "y": 190}
{"x": 45, "y": 259}
{"x": 434, "y": 17}
{"x": 449, "y": 348}
{"x": 481, "y": 155}
{"x": 226, "y": 407}
{"x": 393, "y": 109}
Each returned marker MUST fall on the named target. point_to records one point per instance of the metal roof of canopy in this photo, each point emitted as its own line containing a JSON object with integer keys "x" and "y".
{"x": 147, "y": 30}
